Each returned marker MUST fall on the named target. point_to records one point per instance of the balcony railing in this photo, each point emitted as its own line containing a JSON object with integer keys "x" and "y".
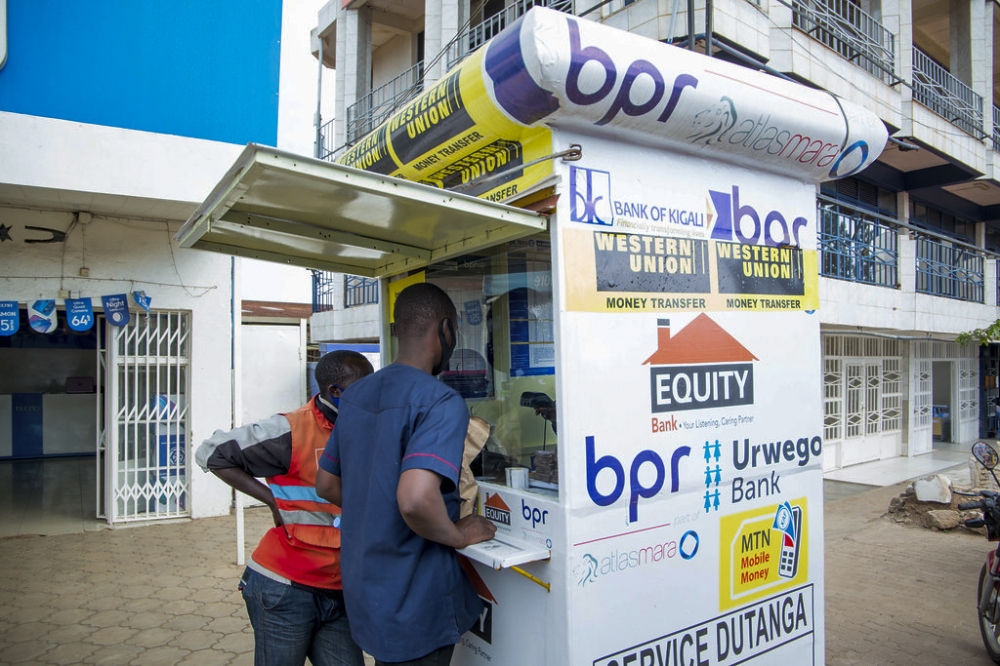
{"x": 368, "y": 112}
{"x": 857, "y": 246}
{"x": 842, "y": 26}
{"x": 359, "y": 291}
{"x": 326, "y": 147}
{"x": 996, "y": 131}
{"x": 467, "y": 42}
{"x": 946, "y": 270}
{"x": 322, "y": 291}
{"x": 941, "y": 92}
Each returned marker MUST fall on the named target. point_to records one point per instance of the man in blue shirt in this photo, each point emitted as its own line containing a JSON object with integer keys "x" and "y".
{"x": 392, "y": 465}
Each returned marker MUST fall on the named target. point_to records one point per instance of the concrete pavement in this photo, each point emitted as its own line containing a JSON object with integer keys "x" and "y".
{"x": 166, "y": 594}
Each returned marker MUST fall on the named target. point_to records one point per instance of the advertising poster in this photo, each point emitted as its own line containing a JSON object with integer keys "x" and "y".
{"x": 484, "y": 129}
{"x": 42, "y": 316}
{"x": 716, "y": 241}
{"x": 10, "y": 317}
{"x": 694, "y": 470}
{"x": 116, "y": 309}
{"x": 79, "y": 314}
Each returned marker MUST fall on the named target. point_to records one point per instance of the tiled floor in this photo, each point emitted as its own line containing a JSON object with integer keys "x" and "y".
{"x": 50, "y": 496}
{"x": 56, "y": 496}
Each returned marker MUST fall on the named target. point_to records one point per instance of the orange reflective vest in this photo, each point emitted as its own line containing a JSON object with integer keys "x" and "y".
{"x": 306, "y": 549}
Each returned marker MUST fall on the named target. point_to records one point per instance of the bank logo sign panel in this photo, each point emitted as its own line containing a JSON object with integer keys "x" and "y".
{"x": 699, "y": 470}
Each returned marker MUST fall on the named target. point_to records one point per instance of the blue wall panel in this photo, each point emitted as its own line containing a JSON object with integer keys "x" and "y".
{"x": 196, "y": 68}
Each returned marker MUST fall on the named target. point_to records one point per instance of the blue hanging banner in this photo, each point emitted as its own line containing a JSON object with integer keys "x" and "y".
{"x": 473, "y": 313}
{"x": 79, "y": 314}
{"x": 42, "y": 316}
{"x": 142, "y": 300}
{"x": 116, "y": 309}
{"x": 10, "y": 318}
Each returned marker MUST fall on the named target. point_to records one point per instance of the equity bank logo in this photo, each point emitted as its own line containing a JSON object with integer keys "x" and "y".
{"x": 495, "y": 509}
{"x": 700, "y": 367}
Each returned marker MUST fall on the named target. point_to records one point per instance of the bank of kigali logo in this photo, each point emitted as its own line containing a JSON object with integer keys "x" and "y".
{"x": 590, "y": 196}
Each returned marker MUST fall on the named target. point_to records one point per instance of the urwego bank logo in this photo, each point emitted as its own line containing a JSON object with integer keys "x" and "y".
{"x": 700, "y": 367}
{"x": 495, "y": 509}
{"x": 590, "y": 196}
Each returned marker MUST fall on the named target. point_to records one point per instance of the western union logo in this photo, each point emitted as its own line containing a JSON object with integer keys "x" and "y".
{"x": 651, "y": 264}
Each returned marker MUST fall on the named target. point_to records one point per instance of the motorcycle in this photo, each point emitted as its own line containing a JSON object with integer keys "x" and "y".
{"x": 989, "y": 576}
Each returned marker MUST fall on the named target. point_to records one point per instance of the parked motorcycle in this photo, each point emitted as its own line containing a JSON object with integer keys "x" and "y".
{"x": 989, "y": 577}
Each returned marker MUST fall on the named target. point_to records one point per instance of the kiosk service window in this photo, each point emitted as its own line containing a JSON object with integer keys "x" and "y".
{"x": 504, "y": 361}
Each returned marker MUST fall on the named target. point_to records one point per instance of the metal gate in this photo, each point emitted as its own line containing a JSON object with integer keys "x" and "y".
{"x": 146, "y": 417}
{"x": 921, "y": 398}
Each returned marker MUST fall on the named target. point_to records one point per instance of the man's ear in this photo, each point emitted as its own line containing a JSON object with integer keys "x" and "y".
{"x": 334, "y": 391}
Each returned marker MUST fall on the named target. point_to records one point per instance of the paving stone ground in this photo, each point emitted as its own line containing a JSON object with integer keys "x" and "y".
{"x": 166, "y": 594}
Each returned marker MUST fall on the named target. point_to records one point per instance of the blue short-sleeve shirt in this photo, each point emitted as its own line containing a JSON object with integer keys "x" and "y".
{"x": 405, "y": 596}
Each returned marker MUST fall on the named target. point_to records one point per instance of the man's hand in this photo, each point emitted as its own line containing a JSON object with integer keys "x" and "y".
{"x": 475, "y": 529}
{"x": 276, "y": 514}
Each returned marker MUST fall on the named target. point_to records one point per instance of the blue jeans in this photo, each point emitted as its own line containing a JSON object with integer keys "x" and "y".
{"x": 290, "y": 624}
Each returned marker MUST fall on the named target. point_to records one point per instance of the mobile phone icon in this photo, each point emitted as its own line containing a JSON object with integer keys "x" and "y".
{"x": 791, "y": 539}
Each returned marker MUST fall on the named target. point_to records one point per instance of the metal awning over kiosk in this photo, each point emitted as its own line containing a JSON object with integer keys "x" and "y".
{"x": 286, "y": 208}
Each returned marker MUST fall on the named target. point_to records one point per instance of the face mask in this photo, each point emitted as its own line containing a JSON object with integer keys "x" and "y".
{"x": 446, "y": 349}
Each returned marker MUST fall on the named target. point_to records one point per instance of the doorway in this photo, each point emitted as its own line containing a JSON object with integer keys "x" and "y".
{"x": 49, "y": 407}
{"x": 942, "y": 410}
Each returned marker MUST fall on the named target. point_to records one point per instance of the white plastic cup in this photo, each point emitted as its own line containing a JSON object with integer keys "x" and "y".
{"x": 517, "y": 477}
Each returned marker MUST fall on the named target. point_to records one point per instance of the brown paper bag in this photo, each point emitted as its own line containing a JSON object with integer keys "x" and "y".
{"x": 475, "y": 439}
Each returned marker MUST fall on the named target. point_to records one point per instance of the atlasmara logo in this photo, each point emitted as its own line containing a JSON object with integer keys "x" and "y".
{"x": 700, "y": 367}
{"x": 495, "y": 509}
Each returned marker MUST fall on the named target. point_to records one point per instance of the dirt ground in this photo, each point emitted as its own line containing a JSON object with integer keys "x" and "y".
{"x": 907, "y": 510}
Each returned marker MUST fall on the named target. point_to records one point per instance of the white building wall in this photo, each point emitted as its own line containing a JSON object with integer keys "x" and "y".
{"x": 393, "y": 58}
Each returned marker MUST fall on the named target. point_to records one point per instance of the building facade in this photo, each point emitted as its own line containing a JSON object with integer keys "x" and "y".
{"x": 106, "y": 147}
{"x": 909, "y": 247}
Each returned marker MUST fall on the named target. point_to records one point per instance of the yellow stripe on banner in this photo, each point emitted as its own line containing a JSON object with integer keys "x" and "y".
{"x": 453, "y": 136}
{"x": 624, "y": 272}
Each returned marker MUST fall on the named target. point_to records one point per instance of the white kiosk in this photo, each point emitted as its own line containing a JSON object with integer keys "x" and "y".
{"x": 640, "y": 330}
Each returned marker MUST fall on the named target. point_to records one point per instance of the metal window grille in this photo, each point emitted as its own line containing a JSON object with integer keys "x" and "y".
{"x": 833, "y": 399}
{"x": 371, "y": 110}
{"x": 892, "y": 392}
{"x": 857, "y": 247}
{"x": 968, "y": 389}
{"x": 360, "y": 291}
{"x": 842, "y": 26}
{"x": 996, "y": 129}
{"x": 148, "y": 424}
{"x": 465, "y": 43}
{"x": 944, "y": 94}
{"x": 862, "y": 386}
{"x": 322, "y": 297}
{"x": 949, "y": 271}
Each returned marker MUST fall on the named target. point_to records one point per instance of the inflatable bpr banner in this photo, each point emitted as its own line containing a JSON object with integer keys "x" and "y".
{"x": 490, "y": 115}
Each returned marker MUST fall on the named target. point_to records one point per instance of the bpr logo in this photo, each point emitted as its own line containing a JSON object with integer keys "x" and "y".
{"x": 745, "y": 222}
{"x": 701, "y": 367}
{"x": 590, "y": 196}
{"x": 637, "y": 487}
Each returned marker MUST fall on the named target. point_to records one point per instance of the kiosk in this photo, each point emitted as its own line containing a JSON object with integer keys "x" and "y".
{"x": 640, "y": 331}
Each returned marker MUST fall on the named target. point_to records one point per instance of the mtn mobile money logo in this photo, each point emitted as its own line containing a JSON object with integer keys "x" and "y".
{"x": 700, "y": 367}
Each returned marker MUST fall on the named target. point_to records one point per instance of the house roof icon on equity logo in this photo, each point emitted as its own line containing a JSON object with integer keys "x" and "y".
{"x": 701, "y": 341}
